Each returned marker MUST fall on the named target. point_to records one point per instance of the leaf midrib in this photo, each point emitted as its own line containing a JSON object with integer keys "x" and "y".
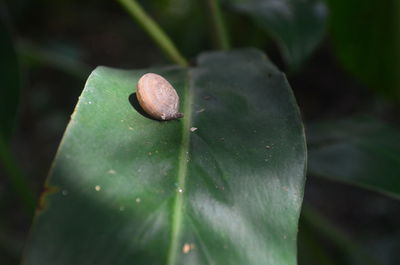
{"x": 182, "y": 172}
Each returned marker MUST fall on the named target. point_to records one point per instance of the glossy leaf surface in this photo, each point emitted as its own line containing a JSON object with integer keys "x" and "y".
{"x": 223, "y": 185}
{"x": 363, "y": 152}
{"x": 297, "y": 25}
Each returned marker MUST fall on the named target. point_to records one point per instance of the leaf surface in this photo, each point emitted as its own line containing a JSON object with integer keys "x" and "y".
{"x": 126, "y": 189}
{"x": 297, "y": 26}
{"x": 360, "y": 151}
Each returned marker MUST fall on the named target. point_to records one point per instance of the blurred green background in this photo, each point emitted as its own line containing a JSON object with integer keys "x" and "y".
{"x": 342, "y": 64}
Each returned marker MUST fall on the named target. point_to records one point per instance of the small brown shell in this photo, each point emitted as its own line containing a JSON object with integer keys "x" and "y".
{"x": 157, "y": 97}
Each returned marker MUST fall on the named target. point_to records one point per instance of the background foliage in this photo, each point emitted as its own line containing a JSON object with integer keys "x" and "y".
{"x": 342, "y": 58}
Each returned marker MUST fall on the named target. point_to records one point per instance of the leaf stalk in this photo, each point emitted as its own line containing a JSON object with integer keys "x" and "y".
{"x": 219, "y": 25}
{"x": 154, "y": 31}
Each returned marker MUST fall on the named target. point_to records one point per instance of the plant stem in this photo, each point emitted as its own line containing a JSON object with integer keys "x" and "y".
{"x": 17, "y": 180}
{"x": 155, "y": 32}
{"x": 221, "y": 32}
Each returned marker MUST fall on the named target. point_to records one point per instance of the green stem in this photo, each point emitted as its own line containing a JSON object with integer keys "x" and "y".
{"x": 155, "y": 32}
{"x": 17, "y": 180}
{"x": 221, "y": 32}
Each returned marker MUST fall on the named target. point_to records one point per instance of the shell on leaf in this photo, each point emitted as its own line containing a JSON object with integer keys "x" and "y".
{"x": 157, "y": 97}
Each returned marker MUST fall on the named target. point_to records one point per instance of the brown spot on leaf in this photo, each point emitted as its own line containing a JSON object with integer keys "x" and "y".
{"x": 47, "y": 190}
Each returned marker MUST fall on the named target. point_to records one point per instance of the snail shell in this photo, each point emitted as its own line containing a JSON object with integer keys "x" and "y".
{"x": 157, "y": 97}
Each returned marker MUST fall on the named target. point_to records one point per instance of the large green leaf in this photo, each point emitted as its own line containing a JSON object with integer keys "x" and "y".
{"x": 367, "y": 39}
{"x": 361, "y": 151}
{"x": 9, "y": 82}
{"x": 297, "y": 25}
{"x": 126, "y": 189}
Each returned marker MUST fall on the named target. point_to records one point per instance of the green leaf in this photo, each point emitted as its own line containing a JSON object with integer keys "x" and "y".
{"x": 9, "y": 82}
{"x": 362, "y": 151}
{"x": 296, "y": 25}
{"x": 367, "y": 39}
{"x": 126, "y": 189}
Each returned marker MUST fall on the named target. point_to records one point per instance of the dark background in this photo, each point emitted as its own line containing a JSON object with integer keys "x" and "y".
{"x": 60, "y": 42}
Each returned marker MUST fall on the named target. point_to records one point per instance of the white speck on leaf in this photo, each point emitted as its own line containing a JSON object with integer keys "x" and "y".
{"x": 193, "y": 129}
{"x": 97, "y": 188}
{"x": 111, "y": 171}
{"x": 138, "y": 200}
{"x": 187, "y": 248}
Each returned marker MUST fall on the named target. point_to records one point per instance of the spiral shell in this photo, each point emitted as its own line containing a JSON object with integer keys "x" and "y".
{"x": 157, "y": 97}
